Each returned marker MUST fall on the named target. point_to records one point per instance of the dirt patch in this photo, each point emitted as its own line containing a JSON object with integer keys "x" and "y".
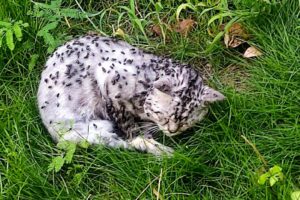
{"x": 235, "y": 77}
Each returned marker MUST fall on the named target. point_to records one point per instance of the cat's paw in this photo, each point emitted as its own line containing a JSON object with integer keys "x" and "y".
{"x": 161, "y": 149}
{"x": 151, "y": 146}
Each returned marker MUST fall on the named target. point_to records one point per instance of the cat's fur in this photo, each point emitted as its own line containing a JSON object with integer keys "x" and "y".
{"x": 106, "y": 91}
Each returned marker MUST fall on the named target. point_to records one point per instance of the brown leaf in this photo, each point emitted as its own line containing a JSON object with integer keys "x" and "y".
{"x": 184, "y": 26}
{"x": 235, "y": 42}
{"x": 237, "y": 30}
{"x": 236, "y": 36}
{"x": 226, "y": 40}
{"x": 156, "y": 30}
{"x": 252, "y": 52}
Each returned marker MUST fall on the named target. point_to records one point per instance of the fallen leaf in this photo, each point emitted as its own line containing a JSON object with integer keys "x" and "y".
{"x": 157, "y": 194}
{"x": 156, "y": 30}
{"x": 119, "y": 32}
{"x": 235, "y": 36}
{"x": 235, "y": 42}
{"x": 237, "y": 30}
{"x": 226, "y": 40}
{"x": 252, "y": 52}
{"x": 93, "y": 33}
{"x": 184, "y": 26}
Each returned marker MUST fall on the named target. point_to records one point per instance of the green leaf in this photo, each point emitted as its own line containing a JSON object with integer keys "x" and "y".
{"x": 47, "y": 28}
{"x": 216, "y": 39}
{"x": 276, "y": 169}
{"x": 183, "y": 7}
{"x": 273, "y": 180}
{"x": 10, "y": 39}
{"x": 158, "y": 6}
{"x": 132, "y": 6}
{"x": 70, "y": 152}
{"x": 77, "y": 178}
{"x": 1, "y": 32}
{"x": 84, "y": 144}
{"x": 295, "y": 195}
{"x": 56, "y": 3}
{"x": 263, "y": 178}
{"x": 25, "y": 25}
{"x": 64, "y": 145}
{"x": 73, "y": 13}
{"x": 219, "y": 16}
{"x": 56, "y": 164}
{"x": 49, "y": 40}
{"x": 18, "y": 31}
{"x": 5, "y": 24}
{"x": 32, "y": 62}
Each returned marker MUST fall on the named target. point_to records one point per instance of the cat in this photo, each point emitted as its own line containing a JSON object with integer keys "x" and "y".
{"x": 104, "y": 91}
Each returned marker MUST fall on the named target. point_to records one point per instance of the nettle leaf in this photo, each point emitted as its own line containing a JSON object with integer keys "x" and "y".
{"x": 56, "y": 164}
{"x": 25, "y": 25}
{"x": 50, "y": 41}
{"x": 63, "y": 145}
{"x": 69, "y": 148}
{"x": 273, "y": 180}
{"x": 84, "y": 144}
{"x": 47, "y": 28}
{"x": 32, "y": 62}
{"x": 273, "y": 175}
{"x": 56, "y": 3}
{"x": 10, "y": 39}
{"x": 78, "y": 178}
{"x": 5, "y": 24}
{"x": 74, "y": 13}
{"x": 53, "y": 5}
{"x": 18, "y": 31}
{"x": 295, "y": 195}
{"x": 276, "y": 169}
{"x": 263, "y": 178}
{"x": 70, "y": 152}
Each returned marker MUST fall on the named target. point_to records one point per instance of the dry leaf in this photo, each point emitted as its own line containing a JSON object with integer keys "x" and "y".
{"x": 93, "y": 33}
{"x": 226, "y": 40}
{"x": 252, "y": 52}
{"x": 119, "y": 32}
{"x": 157, "y": 194}
{"x": 237, "y": 30}
{"x": 156, "y": 29}
{"x": 184, "y": 26}
{"x": 235, "y": 42}
{"x": 236, "y": 36}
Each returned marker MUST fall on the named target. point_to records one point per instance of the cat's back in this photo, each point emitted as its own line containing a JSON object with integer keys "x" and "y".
{"x": 67, "y": 80}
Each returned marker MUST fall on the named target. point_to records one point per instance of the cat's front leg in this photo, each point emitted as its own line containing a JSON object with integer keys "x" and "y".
{"x": 149, "y": 145}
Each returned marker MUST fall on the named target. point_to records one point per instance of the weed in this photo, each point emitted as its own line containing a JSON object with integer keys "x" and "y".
{"x": 11, "y": 29}
{"x": 53, "y": 14}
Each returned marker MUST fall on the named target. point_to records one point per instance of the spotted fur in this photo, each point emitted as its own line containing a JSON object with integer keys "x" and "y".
{"x": 106, "y": 91}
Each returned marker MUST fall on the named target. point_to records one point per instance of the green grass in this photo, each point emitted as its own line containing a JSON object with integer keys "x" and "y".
{"x": 211, "y": 162}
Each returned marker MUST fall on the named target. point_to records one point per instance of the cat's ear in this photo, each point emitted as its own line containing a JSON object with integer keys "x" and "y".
{"x": 163, "y": 85}
{"x": 211, "y": 95}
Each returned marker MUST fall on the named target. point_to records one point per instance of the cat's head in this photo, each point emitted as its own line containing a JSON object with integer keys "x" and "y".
{"x": 175, "y": 103}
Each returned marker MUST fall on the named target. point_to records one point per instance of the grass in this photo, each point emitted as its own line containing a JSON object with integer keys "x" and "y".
{"x": 212, "y": 161}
